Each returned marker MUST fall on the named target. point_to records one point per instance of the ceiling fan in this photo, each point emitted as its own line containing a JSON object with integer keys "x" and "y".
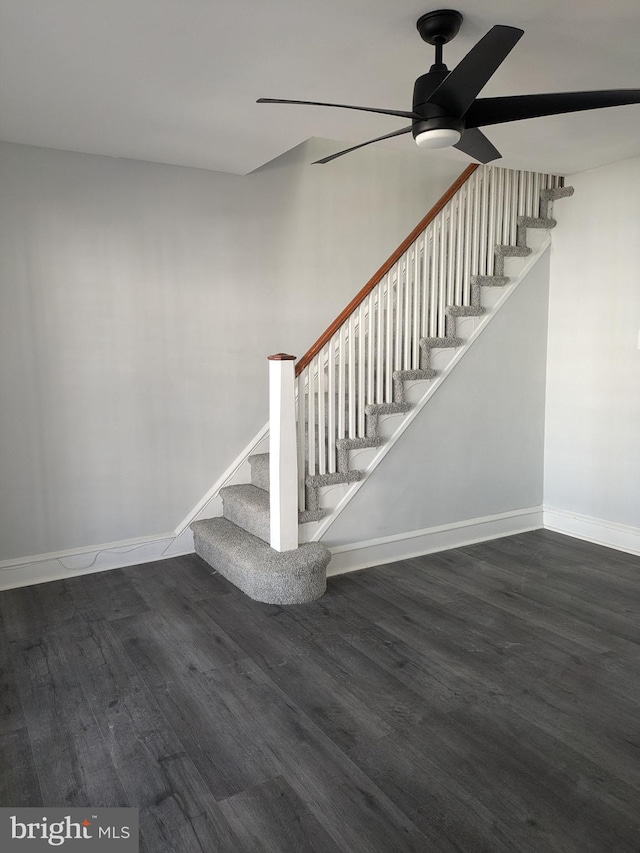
{"x": 446, "y": 111}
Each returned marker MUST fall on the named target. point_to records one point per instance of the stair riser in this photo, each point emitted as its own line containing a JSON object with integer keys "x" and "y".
{"x": 260, "y": 471}
{"x": 248, "y": 508}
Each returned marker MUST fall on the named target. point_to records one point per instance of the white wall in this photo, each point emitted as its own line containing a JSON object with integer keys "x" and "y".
{"x": 138, "y": 303}
{"x": 592, "y": 456}
{"x": 476, "y": 449}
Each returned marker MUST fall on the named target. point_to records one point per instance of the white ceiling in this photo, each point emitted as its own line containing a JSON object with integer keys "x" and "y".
{"x": 175, "y": 81}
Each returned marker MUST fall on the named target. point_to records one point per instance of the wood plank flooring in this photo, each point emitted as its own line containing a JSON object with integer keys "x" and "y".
{"x": 479, "y": 700}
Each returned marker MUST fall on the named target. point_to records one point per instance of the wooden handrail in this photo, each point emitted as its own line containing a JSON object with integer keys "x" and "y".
{"x": 384, "y": 269}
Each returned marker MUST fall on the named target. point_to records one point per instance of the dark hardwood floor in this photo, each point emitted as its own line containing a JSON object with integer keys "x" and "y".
{"x": 484, "y": 699}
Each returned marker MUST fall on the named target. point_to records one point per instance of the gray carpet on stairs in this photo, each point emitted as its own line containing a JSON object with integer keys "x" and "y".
{"x": 291, "y": 577}
{"x": 260, "y": 470}
{"x": 248, "y": 507}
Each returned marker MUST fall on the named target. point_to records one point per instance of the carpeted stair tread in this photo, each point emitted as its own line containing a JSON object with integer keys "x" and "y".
{"x": 317, "y": 481}
{"x": 552, "y": 194}
{"x": 402, "y": 376}
{"x": 502, "y": 252}
{"x": 375, "y": 409}
{"x": 412, "y": 375}
{"x": 445, "y": 342}
{"x": 345, "y": 445}
{"x": 291, "y": 577}
{"x": 305, "y": 516}
{"x": 536, "y": 222}
{"x": 260, "y": 470}
{"x": 490, "y": 280}
{"x": 357, "y": 443}
{"x": 512, "y": 251}
{"x": 526, "y": 222}
{"x": 247, "y": 506}
{"x": 464, "y": 310}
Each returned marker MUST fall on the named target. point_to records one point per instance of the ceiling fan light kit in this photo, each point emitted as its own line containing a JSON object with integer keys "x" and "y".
{"x": 436, "y": 137}
{"x": 446, "y": 110}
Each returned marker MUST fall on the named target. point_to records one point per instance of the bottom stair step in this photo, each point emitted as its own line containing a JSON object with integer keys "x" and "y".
{"x": 291, "y": 577}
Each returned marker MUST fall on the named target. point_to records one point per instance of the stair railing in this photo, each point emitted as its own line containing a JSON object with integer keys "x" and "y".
{"x": 352, "y": 364}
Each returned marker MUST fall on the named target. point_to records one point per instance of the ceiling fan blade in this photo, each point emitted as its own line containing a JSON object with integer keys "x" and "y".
{"x": 476, "y": 145}
{"x": 362, "y": 144}
{"x": 400, "y": 113}
{"x": 458, "y": 92}
{"x": 498, "y": 110}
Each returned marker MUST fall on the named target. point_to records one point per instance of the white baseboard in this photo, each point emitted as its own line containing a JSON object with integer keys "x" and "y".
{"x": 345, "y": 558}
{"x": 415, "y": 543}
{"x": 622, "y": 537}
{"x": 42, "y": 568}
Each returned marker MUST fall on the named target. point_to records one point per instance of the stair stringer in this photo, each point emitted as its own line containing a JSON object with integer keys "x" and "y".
{"x": 367, "y": 460}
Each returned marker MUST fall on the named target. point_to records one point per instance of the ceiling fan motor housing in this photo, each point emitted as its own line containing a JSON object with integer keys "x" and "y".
{"x": 423, "y": 89}
{"x": 438, "y": 129}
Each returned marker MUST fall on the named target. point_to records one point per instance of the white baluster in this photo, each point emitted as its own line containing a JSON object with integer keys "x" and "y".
{"x": 442, "y": 276}
{"x": 466, "y": 244}
{"x": 351, "y": 372}
{"x": 322, "y": 447}
{"x": 529, "y": 202}
{"x": 459, "y": 297}
{"x": 371, "y": 317}
{"x": 475, "y": 242}
{"x": 360, "y": 392}
{"x": 388, "y": 349}
{"x": 490, "y": 203}
{"x": 397, "y": 315}
{"x": 331, "y": 405}
{"x": 537, "y": 186}
{"x": 499, "y": 205}
{"x": 508, "y": 232}
{"x": 424, "y": 287}
{"x": 341, "y": 383}
{"x": 520, "y": 192}
{"x": 415, "y": 334}
{"x": 406, "y": 325}
{"x": 379, "y": 341}
{"x": 452, "y": 220}
{"x": 433, "y": 295}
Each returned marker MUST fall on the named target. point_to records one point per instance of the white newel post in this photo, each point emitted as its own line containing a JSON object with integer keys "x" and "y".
{"x": 283, "y": 456}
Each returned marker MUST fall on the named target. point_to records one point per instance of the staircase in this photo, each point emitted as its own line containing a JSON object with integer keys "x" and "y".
{"x": 356, "y": 376}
